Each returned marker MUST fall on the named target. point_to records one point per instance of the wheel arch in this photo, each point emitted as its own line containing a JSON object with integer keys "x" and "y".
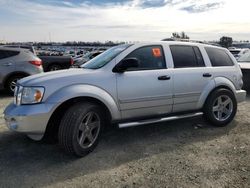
{"x": 81, "y": 94}
{"x": 55, "y": 119}
{"x": 16, "y": 73}
{"x": 217, "y": 83}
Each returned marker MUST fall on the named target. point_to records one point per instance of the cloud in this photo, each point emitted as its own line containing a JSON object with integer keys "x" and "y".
{"x": 152, "y": 3}
{"x": 28, "y": 20}
{"x": 202, "y": 8}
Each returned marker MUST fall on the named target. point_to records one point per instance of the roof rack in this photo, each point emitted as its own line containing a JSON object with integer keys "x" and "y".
{"x": 183, "y": 40}
{"x": 190, "y": 40}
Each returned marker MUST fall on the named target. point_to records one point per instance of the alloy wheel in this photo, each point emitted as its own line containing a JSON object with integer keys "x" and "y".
{"x": 88, "y": 130}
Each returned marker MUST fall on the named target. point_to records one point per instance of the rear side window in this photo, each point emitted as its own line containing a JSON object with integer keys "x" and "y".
{"x": 150, "y": 57}
{"x": 7, "y": 53}
{"x": 219, "y": 57}
{"x": 186, "y": 56}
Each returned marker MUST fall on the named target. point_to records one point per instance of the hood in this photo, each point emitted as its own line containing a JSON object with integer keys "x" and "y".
{"x": 244, "y": 65}
{"x": 56, "y": 77}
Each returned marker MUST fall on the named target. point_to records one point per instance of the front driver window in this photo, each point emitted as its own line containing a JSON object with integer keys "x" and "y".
{"x": 149, "y": 57}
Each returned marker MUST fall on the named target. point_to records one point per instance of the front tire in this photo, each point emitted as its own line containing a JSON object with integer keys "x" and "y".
{"x": 220, "y": 107}
{"x": 80, "y": 128}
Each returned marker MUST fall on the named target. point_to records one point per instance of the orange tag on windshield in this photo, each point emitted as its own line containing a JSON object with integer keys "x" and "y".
{"x": 156, "y": 52}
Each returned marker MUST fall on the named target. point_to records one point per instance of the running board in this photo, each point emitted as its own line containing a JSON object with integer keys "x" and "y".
{"x": 149, "y": 121}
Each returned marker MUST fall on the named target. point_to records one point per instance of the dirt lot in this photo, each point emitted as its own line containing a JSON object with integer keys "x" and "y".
{"x": 187, "y": 153}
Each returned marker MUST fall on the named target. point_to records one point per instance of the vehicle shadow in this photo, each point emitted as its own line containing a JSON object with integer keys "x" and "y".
{"x": 5, "y": 94}
{"x": 37, "y": 165}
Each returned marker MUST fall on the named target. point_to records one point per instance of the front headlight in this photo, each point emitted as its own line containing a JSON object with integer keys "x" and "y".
{"x": 29, "y": 95}
{"x": 32, "y": 95}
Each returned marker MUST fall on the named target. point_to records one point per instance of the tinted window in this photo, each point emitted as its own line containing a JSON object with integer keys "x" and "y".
{"x": 7, "y": 53}
{"x": 219, "y": 57}
{"x": 186, "y": 56}
{"x": 149, "y": 57}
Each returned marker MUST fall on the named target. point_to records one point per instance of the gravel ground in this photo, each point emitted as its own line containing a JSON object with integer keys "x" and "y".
{"x": 185, "y": 153}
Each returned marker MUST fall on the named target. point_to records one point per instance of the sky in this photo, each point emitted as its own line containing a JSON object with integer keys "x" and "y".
{"x": 122, "y": 20}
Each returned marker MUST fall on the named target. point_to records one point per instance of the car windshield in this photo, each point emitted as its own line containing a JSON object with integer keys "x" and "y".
{"x": 104, "y": 58}
{"x": 245, "y": 57}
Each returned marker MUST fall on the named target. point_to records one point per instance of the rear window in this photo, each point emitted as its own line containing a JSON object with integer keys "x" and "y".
{"x": 219, "y": 57}
{"x": 7, "y": 53}
{"x": 186, "y": 56}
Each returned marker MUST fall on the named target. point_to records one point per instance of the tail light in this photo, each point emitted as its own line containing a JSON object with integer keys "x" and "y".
{"x": 36, "y": 63}
{"x": 71, "y": 61}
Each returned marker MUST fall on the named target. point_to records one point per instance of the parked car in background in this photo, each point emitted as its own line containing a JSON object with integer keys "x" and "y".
{"x": 53, "y": 63}
{"x": 127, "y": 85}
{"x": 238, "y": 52}
{"x": 50, "y": 63}
{"x": 80, "y": 60}
{"x": 17, "y": 63}
{"x": 244, "y": 62}
{"x": 28, "y": 47}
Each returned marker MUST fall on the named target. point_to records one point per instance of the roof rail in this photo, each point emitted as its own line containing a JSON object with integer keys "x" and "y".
{"x": 190, "y": 40}
{"x": 183, "y": 40}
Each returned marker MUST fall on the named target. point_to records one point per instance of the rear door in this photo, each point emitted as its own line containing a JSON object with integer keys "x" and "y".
{"x": 190, "y": 77}
{"x": 7, "y": 65}
{"x": 146, "y": 90}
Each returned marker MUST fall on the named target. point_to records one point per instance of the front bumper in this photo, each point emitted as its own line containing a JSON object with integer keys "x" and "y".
{"x": 28, "y": 119}
{"x": 241, "y": 95}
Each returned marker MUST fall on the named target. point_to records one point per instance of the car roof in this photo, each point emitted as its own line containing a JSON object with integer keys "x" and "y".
{"x": 183, "y": 43}
{"x": 13, "y": 49}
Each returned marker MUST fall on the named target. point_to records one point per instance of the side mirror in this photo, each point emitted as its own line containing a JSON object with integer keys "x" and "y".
{"x": 126, "y": 64}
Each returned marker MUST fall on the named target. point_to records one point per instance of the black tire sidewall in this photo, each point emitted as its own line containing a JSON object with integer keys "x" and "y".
{"x": 10, "y": 80}
{"x": 81, "y": 110}
{"x": 208, "y": 108}
{"x": 53, "y": 66}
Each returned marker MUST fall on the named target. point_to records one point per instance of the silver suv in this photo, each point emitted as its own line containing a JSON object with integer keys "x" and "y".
{"x": 16, "y": 63}
{"x": 127, "y": 85}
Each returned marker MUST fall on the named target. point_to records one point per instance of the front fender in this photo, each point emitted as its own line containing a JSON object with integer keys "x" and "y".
{"x": 85, "y": 90}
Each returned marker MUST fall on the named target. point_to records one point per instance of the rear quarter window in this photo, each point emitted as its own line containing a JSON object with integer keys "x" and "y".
{"x": 7, "y": 53}
{"x": 218, "y": 57}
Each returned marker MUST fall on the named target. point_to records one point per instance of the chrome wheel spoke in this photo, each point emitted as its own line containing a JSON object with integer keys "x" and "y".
{"x": 82, "y": 139}
{"x": 219, "y": 115}
{"x": 90, "y": 137}
{"x": 93, "y": 125}
{"x": 220, "y": 100}
{"x": 82, "y": 127}
{"x": 227, "y": 102}
{"x": 89, "y": 118}
{"x": 216, "y": 108}
{"x": 226, "y": 111}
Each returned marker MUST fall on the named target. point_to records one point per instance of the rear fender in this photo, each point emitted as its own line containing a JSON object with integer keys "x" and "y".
{"x": 213, "y": 84}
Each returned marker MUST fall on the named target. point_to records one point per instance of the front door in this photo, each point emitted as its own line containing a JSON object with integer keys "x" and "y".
{"x": 146, "y": 90}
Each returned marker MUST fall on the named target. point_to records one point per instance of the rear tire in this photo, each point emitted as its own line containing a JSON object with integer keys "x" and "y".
{"x": 220, "y": 107}
{"x": 80, "y": 128}
{"x": 54, "y": 67}
{"x": 11, "y": 83}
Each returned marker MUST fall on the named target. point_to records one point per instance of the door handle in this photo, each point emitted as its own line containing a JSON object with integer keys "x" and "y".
{"x": 166, "y": 77}
{"x": 207, "y": 75}
{"x": 7, "y": 64}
